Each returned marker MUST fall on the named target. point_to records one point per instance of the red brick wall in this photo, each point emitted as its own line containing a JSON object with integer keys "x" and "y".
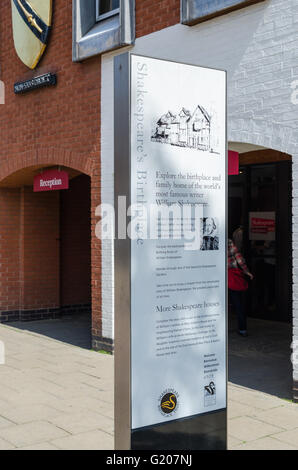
{"x": 75, "y": 243}
{"x": 29, "y": 250}
{"x": 154, "y": 15}
{"x": 53, "y": 125}
{"x": 64, "y": 117}
{"x": 9, "y": 249}
{"x": 39, "y": 249}
{"x": 61, "y": 125}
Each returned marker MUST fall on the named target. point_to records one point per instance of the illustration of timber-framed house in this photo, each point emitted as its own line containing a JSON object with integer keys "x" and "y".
{"x": 184, "y": 129}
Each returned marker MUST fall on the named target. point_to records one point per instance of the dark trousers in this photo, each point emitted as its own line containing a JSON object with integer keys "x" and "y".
{"x": 236, "y": 298}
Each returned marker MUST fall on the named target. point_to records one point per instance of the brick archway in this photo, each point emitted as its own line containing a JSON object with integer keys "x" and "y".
{"x": 47, "y": 156}
{"x": 84, "y": 163}
{"x": 281, "y": 138}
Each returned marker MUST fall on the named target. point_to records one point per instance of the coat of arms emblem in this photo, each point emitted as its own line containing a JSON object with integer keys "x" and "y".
{"x": 31, "y": 22}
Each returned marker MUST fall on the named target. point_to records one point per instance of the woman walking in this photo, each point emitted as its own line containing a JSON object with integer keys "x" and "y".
{"x": 237, "y": 270}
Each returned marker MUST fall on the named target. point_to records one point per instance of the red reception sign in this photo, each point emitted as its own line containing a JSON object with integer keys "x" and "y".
{"x": 262, "y": 226}
{"x": 259, "y": 225}
{"x": 51, "y": 180}
{"x": 233, "y": 163}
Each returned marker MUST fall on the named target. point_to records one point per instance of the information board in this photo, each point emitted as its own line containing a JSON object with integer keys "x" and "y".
{"x": 178, "y": 240}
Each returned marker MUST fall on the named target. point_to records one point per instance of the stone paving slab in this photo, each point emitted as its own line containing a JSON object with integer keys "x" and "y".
{"x": 253, "y": 398}
{"x": 289, "y": 437}
{"x": 247, "y": 428}
{"x": 81, "y": 422}
{"x": 266, "y": 443}
{"x": 239, "y": 409}
{"x": 95, "y": 440}
{"x": 284, "y": 417}
{"x": 86, "y": 406}
{"x": 22, "y": 414}
{"x": 272, "y": 427}
{"x": 4, "y": 422}
{"x": 37, "y": 432}
{"x": 4, "y": 445}
{"x": 43, "y": 446}
{"x": 233, "y": 442}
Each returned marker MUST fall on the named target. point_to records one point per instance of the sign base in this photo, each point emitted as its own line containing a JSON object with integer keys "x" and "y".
{"x": 201, "y": 432}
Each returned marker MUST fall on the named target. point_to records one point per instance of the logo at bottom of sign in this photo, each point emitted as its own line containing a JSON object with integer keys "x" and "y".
{"x": 210, "y": 394}
{"x": 168, "y": 402}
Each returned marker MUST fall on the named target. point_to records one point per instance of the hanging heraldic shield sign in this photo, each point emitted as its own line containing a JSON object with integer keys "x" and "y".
{"x": 31, "y": 21}
{"x": 170, "y": 276}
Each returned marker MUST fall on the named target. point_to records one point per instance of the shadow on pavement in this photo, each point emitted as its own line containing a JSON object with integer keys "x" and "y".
{"x": 259, "y": 362}
{"x": 262, "y": 361}
{"x": 74, "y": 330}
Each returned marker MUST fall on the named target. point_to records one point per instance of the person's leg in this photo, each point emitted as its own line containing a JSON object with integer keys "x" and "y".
{"x": 237, "y": 303}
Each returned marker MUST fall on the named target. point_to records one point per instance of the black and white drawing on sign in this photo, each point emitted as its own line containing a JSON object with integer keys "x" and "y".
{"x": 185, "y": 129}
{"x": 209, "y": 235}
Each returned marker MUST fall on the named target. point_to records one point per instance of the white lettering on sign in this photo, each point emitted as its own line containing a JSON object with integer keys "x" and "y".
{"x": 50, "y": 183}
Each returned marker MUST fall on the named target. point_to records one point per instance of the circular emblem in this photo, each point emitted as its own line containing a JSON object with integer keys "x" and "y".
{"x": 168, "y": 402}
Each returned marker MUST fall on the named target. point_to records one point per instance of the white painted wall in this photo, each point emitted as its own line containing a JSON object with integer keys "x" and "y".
{"x": 107, "y": 196}
{"x": 258, "y": 46}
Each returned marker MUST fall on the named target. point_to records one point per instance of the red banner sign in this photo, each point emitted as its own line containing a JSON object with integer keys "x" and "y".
{"x": 51, "y": 180}
{"x": 233, "y": 163}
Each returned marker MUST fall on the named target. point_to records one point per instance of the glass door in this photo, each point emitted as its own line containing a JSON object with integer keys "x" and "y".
{"x": 260, "y": 223}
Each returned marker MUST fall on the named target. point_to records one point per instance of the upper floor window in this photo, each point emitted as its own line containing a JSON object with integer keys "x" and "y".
{"x": 196, "y": 11}
{"x": 106, "y": 8}
{"x": 100, "y": 26}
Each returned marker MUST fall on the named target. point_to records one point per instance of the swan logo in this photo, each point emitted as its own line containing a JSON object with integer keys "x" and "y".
{"x": 168, "y": 402}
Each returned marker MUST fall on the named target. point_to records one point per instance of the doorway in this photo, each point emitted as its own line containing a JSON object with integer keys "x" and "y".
{"x": 46, "y": 238}
{"x": 260, "y": 211}
{"x": 260, "y": 202}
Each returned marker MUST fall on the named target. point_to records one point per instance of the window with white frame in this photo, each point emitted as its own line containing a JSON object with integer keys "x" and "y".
{"x": 106, "y": 8}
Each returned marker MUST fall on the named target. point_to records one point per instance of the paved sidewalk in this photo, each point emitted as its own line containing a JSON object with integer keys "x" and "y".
{"x": 258, "y": 421}
{"x": 56, "y": 395}
{"x": 261, "y": 415}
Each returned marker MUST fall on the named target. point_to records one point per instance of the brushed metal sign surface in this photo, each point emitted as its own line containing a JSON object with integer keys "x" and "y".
{"x": 170, "y": 298}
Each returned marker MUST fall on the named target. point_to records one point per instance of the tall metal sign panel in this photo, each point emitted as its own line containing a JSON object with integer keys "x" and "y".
{"x": 170, "y": 266}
